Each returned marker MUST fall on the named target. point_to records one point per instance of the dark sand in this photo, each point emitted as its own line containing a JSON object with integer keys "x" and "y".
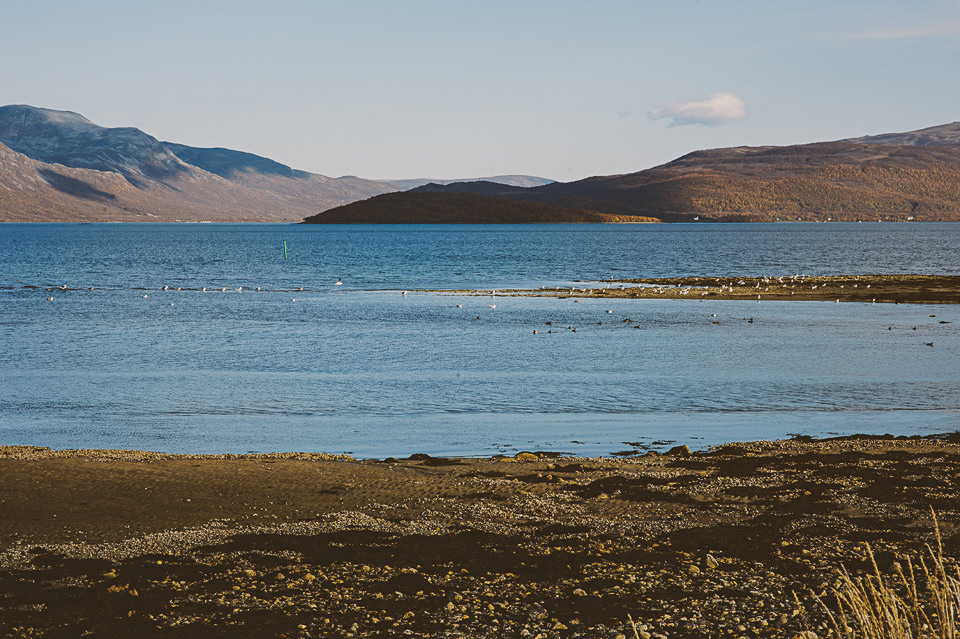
{"x": 713, "y": 544}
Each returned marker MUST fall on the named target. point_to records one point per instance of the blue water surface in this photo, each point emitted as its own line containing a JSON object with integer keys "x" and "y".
{"x": 304, "y": 364}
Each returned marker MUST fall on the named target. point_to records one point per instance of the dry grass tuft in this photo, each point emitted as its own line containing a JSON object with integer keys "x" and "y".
{"x": 872, "y": 607}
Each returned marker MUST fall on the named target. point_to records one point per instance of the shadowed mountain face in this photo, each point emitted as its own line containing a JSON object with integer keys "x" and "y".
{"x": 458, "y": 208}
{"x": 62, "y": 137}
{"x": 75, "y": 187}
{"x": 227, "y": 163}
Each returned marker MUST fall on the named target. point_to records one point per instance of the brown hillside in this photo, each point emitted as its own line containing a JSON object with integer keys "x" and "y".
{"x": 34, "y": 191}
{"x": 59, "y": 166}
{"x": 458, "y": 208}
{"x": 829, "y": 180}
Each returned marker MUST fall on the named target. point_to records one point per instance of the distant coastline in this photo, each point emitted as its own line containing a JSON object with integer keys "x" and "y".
{"x": 57, "y": 166}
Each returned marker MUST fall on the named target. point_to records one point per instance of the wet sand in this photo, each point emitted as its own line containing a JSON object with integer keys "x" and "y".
{"x": 919, "y": 289}
{"x": 709, "y": 544}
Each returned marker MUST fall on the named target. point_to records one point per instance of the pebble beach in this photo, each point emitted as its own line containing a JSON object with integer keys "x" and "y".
{"x": 732, "y": 541}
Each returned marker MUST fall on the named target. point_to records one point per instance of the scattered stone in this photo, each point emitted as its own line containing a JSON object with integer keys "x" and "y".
{"x": 709, "y": 544}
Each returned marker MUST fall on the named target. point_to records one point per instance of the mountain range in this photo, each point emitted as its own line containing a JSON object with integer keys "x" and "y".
{"x": 57, "y": 166}
{"x": 897, "y": 176}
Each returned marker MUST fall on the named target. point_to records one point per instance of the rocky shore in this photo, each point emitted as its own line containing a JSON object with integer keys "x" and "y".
{"x": 919, "y": 289}
{"x": 728, "y": 542}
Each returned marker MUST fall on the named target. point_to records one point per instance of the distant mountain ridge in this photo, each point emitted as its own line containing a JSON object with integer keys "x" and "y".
{"x": 228, "y": 163}
{"x": 60, "y": 166}
{"x": 64, "y": 137}
{"x": 859, "y": 179}
{"x": 522, "y": 181}
{"x": 942, "y": 135}
{"x": 482, "y": 187}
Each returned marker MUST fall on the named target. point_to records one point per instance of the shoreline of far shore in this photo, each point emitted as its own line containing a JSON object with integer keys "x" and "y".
{"x": 685, "y": 544}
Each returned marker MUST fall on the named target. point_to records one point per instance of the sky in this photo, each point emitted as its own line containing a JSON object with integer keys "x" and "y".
{"x": 450, "y": 89}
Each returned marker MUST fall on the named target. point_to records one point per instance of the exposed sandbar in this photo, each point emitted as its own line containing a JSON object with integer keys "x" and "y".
{"x": 920, "y": 289}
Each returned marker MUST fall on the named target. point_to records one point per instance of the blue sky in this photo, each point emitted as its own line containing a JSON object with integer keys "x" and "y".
{"x": 559, "y": 89}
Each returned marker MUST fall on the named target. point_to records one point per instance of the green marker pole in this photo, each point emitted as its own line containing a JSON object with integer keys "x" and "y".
{"x": 284, "y": 248}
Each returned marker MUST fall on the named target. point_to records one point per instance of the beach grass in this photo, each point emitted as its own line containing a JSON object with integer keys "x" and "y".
{"x": 876, "y": 607}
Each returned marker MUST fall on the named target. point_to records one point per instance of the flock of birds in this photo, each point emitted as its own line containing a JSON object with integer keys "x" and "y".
{"x": 572, "y": 291}
{"x": 202, "y": 289}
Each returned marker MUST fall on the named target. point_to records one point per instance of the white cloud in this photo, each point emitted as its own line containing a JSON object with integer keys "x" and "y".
{"x": 717, "y": 109}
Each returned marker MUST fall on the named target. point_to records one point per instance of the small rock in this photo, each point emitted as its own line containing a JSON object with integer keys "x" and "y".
{"x": 526, "y": 457}
{"x": 580, "y": 592}
{"x": 250, "y": 573}
{"x": 536, "y": 612}
{"x": 710, "y": 562}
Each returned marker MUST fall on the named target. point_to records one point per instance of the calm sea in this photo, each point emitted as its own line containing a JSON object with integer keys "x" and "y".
{"x": 362, "y": 368}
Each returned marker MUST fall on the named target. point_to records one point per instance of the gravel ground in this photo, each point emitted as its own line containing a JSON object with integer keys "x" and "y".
{"x": 730, "y": 542}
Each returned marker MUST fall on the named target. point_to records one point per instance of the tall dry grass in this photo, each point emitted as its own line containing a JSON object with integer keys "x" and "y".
{"x": 874, "y": 607}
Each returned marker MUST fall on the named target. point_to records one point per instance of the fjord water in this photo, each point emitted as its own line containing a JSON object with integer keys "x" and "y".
{"x": 363, "y": 368}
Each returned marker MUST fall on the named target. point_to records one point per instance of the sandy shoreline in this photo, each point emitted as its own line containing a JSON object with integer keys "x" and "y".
{"x": 709, "y": 544}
